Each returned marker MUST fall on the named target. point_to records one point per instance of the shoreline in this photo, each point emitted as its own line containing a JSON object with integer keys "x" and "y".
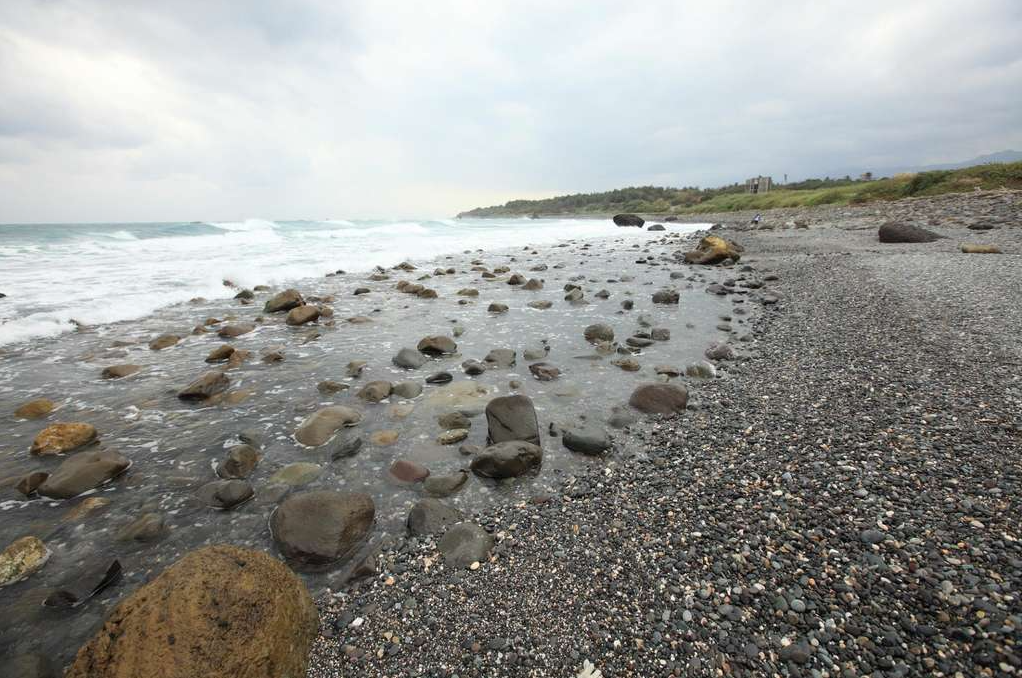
{"x": 847, "y": 502}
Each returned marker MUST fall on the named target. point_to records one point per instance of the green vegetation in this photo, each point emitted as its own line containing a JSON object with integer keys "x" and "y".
{"x": 809, "y": 193}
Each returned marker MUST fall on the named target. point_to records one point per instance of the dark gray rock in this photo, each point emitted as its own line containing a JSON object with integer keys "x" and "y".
{"x": 464, "y": 544}
{"x": 431, "y": 516}
{"x": 512, "y": 418}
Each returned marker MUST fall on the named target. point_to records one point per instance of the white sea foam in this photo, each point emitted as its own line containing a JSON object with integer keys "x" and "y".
{"x": 102, "y": 274}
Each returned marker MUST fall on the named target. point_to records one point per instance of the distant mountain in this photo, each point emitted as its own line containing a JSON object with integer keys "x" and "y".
{"x": 1000, "y": 156}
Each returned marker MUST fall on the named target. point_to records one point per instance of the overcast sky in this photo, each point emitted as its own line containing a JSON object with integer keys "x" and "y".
{"x": 181, "y": 110}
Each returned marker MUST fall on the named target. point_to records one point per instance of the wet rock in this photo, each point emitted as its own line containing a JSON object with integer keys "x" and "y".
{"x": 218, "y": 611}
{"x": 220, "y": 354}
{"x": 465, "y": 543}
{"x": 701, "y": 370}
{"x": 346, "y": 448}
{"x": 437, "y": 345}
{"x": 405, "y": 471}
{"x": 119, "y": 371}
{"x": 444, "y": 485}
{"x": 628, "y": 304}
{"x": 713, "y": 250}
{"x": 355, "y": 368}
{"x": 240, "y": 461}
{"x": 533, "y": 285}
{"x": 283, "y": 301}
{"x": 148, "y": 527}
{"x": 540, "y": 305}
{"x": 669, "y": 371}
{"x": 586, "y": 439}
{"x": 660, "y": 334}
{"x": 511, "y": 418}
{"x": 30, "y": 665}
{"x": 896, "y": 232}
{"x": 164, "y": 341}
{"x": 452, "y": 436}
{"x": 362, "y": 290}
{"x": 316, "y": 529}
{"x": 666, "y": 296}
{"x": 621, "y": 417}
{"x": 507, "y": 460}
{"x": 82, "y": 472}
{"x": 302, "y": 314}
{"x": 497, "y": 308}
{"x": 375, "y": 391}
{"x": 297, "y": 473}
{"x": 656, "y": 227}
{"x": 629, "y": 220}
{"x": 21, "y": 558}
{"x": 235, "y": 330}
{"x": 535, "y": 352}
{"x": 225, "y": 494}
{"x": 516, "y": 279}
{"x": 501, "y": 358}
{"x": 409, "y": 359}
{"x": 453, "y": 420}
{"x": 574, "y": 295}
{"x": 659, "y": 398}
{"x": 544, "y": 371}
{"x": 407, "y": 389}
{"x": 273, "y": 357}
{"x": 238, "y": 358}
{"x": 626, "y": 364}
{"x": 440, "y": 378}
{"x": 383, "y": 438}
{"x": 598, "y": 332}
{"x": 35, "y": 409}
{"x": 328, "y": 387}
{"x": 321, "y": 426}
{"x": 209, "y": 384}
{"x": 639, "y": 342}
{"x": 62, "y": 438}
{"x": 468, "y": 292}
{"x": 30, "y": 482}
{"x": 431, "y": 516}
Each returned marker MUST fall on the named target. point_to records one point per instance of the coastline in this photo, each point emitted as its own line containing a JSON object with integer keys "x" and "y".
{"x": 845, "y": 502}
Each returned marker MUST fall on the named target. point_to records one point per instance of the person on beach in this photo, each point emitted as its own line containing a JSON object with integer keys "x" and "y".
{"x": 755, "y": 219}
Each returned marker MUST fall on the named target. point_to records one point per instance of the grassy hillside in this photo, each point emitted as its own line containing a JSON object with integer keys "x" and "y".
{"x": 656, "y": 200}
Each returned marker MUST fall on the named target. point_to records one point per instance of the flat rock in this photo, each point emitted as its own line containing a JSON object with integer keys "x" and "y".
{"x": 82, "y": 472}
{"x": 164, "y": 341}
{"x": 235, "y": 330}
{"x": 298, "y": 473}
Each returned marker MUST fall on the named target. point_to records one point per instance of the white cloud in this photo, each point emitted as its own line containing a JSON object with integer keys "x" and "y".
{"x": 195, "y": 110}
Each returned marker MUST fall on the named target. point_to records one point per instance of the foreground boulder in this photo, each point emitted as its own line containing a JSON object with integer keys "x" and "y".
{"x": 283, "y": 301}
{"x": 629, "y": 220}
{"x": 321, "y": 426}
{"x": 62, "y": 438}
{"x": 895, "y": 232}
{"x": 507, "y": 460}
{"x": 659, "y": 399}
{"x": 83, "y": 472}
{"x": 219, "y": 611}
{"x": 315, "y": 529}
{"x": 511, "y": 418}
{"x": 713, "y": 250}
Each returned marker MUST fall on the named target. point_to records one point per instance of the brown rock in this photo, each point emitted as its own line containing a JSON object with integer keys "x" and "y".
{"x": 164, "y": 341}
{"x": 35, "y": 409}
{"x": 119, "y": 371}
{"x": 980, "y": 249}
{"x": 209, "y": 384}
{"x": 220, "y": 353}
{"x": 659, "y": 399}
{"x": 406, "y": 471}
{"x": 302, "y": 314}
{"x": 219, "y": 611}
{"x": 283, "y": 301}
{"x": 61, "y": 438}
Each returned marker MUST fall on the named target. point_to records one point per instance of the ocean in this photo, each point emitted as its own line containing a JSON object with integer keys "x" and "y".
{"x": 96, "y": 274}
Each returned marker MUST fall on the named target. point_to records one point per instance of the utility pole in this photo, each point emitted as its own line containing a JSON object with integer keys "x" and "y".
{"x": 785, "y": 177}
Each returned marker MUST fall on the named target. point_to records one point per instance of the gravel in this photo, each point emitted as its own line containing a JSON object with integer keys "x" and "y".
{"x": 843, "y": 500}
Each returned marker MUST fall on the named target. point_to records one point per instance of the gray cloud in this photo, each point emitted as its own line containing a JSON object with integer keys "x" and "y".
{"x": 197, "y": 110}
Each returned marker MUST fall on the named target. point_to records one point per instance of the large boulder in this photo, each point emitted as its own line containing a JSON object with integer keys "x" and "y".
{"x": 430, "y": 516}
{"x": 507, "y": 460}
{"x": 321, "y": 426}
{"x": 659, "y": 398}
{"x": 316, "y": 529}
{"x": 218, "y": 611}
{"x": 206, "y": 386}
{"x": 896, "y": 232}
{"x": 713, "y": 250}
{"x": 283, "y": 301}
{"x": 629, "y": 220}
{"x": 63, "y": 437}
{"x": 83, "y": 472}
{"x": 511, "y": 418}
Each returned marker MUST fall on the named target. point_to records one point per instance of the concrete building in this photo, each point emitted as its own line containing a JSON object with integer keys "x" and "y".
{"x": 758, "y": 185}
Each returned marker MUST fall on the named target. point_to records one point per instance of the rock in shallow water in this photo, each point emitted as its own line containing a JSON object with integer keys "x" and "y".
{"x": 20, "y": 559}
{"x": 315, "y": 529}
{"x": 659, "y": 399}
{"x": 430, "y": 516}
{"x": 283, "y": 301}
{"x": 512, "y": 418}
{"x": 209, "y": 384}
{"x": 62, "y": 438}
{"x": 229, "y": 611}
{"x": 321, "y": 426}
{"x": 409, "y": 359}
{"x": 225, "y": 494}
{"x": 507, "y": 460}
{"x": 83, "y": 472}
{"x": 35, "y": 409}
{"x": 119, "y": 371}
{"x": 586, "y": 440}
